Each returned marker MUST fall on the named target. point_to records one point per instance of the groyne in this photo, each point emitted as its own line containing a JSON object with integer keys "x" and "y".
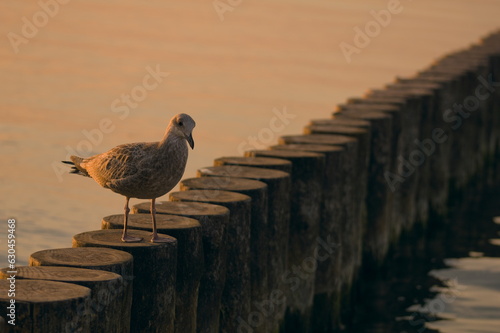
{"x": 275, "y": 240}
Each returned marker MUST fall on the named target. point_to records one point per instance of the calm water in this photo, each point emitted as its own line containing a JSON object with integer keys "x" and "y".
{"x": 446, "y": 279}
{"x": 80, "y": 80}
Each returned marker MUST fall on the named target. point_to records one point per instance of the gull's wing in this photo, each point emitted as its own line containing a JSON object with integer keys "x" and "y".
{"x": 120, "y": 163}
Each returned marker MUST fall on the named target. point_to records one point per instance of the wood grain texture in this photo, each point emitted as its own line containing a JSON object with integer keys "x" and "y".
{"x": 109, "y": 310}
{"x": 278, "y": 185}
{"x": 46, "y": 306}
{"x": 236, "y": 296}
{"x": 155, "y": 269}
{"x": 188, "y": 233}
{"x": 214, "y": 220}
{"x": 259, "y": 249}
{"x": 305, "y": 215}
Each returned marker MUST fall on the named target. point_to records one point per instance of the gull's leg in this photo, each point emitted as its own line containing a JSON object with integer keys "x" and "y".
{"x": 154, "y": 237}
{"x": 127, "y": 238}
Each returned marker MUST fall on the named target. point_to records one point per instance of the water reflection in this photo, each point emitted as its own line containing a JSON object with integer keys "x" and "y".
{"x": 444, "y": 279}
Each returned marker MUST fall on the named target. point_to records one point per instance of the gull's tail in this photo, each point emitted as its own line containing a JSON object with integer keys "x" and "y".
{"x": 76, "y": 167}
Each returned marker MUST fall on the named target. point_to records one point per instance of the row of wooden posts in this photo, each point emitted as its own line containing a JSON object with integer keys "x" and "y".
{"x": 274, "y": 240}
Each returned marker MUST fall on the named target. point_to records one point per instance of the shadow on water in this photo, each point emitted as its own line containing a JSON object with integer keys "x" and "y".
{"x": 388, "y": 299}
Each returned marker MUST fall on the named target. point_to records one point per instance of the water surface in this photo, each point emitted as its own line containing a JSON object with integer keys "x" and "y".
{"x": 230, "y": 75}
{"x": 445, "y": 279}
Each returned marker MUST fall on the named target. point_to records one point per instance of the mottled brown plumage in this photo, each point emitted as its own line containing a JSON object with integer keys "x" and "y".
{"x": 144, "y": 170}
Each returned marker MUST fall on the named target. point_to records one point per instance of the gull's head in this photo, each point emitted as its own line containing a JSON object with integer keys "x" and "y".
{"x": 182, "y": 124}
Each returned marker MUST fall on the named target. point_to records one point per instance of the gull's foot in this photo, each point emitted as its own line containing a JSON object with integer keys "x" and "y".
{"x": 131, "y": 239}
{"x": 158, "y": 239}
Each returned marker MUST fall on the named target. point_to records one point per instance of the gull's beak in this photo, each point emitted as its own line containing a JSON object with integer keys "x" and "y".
{"x": 190, "y": 141}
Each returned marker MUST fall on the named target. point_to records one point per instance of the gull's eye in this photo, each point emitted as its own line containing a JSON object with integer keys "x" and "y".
{"x": 180, "y": 123}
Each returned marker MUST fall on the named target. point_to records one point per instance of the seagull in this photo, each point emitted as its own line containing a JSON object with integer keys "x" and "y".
{"x": 143, "y": 170}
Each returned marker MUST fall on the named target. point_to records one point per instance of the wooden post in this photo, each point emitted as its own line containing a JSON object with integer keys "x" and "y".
{"x": 259, "y": 250}
{"x": 443, "y": 99}
{"x": 109, "y": 309}
{"x": 153, "y": 301}
{"x": 360, "y": 170}
{"x": 468, "y": 145}
{"x": 405, "y": 120}
{"x": 413, "y": 152}
{"x": 439, "y": 189}
{"x": 486, "y": 115}
{"x": 413, "y": 192}
{"x": 328, "y": 283}
{"x": 341, "y": 120}
{"x": 494, "y": 104}
{"x": 306, "y": 198}
{"x": 236, "y": 294}
{"x": 110, "y": 260}
{"x": 352, "y": 199}
{"x": 105, "y": 259}
{"x": 278, "y": 186}
{"x": 187, "y": 231}
{"x": 495, "y": 140}
{"x": 466, "y": 119}
{"x": 45, "y": 306}
{"x": 378, "y": 96}
{"x": 337, "y": 129}
{"x": 449, "y": 168}
{"x": 406, "y": 123}
{"x": 214, "y": 220}
{"x": 491, "y": 43}
{"x": 393, "y": 201}
{"x": 257, "y": 162}
{"x": 378, "y": 203}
